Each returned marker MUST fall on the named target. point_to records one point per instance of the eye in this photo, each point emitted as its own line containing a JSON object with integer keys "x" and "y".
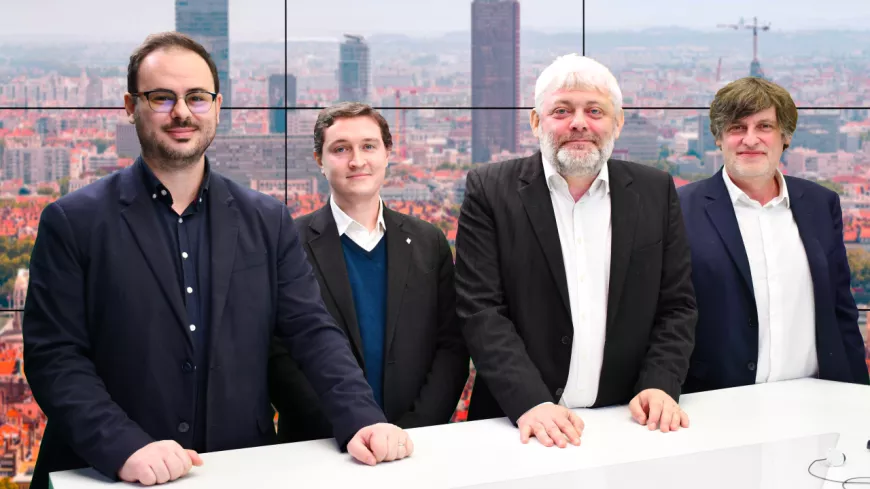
{"x": 369, "y": 146}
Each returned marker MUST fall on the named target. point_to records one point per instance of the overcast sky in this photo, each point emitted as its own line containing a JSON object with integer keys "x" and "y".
{"x": 261, "y": 20}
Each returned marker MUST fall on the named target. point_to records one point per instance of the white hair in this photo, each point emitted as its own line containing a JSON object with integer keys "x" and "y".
{"x": 573, "y": 71}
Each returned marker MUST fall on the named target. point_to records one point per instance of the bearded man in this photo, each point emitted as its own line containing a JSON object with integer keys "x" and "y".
{"x": 573, "y": 271}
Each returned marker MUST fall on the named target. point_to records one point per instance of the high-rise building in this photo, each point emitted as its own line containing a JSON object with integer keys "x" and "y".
{"x": 495, "y": 76}
{"x": 278, "y": 95}
{"x": 207, "y": 22}
{"x": 354, "y": 70}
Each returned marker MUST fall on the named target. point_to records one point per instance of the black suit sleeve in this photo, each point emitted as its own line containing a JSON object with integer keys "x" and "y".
{"x": 673, "y": 335}
{"x": 300, "y": 415}
{"x": 844, "y": 306}
{"x": 58, "y": 350}
{"x": 498, "y": 352}
{"x": 440, "y": 394}
{"x": 310, "y": 334}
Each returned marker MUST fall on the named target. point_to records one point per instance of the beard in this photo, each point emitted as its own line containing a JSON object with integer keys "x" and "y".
{"x": 576, "y": 163}
{"x": 169, "y": 158}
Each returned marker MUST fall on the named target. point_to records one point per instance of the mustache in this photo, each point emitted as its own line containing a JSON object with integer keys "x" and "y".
{"x": 185, "y": 124}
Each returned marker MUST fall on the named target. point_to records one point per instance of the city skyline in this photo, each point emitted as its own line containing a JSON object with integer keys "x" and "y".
{"x": 261, "y": 20}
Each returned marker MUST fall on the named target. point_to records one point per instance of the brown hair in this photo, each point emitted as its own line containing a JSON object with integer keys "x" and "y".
{"x": 746, "y": 96}
{"x": 343, "y": 110}
{"x": 165, "y": 40}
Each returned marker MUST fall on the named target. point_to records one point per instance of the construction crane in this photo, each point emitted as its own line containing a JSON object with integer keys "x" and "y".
{"x": 755, "y": 67}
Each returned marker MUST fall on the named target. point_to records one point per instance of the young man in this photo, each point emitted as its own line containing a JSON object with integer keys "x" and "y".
{"x": 154, "y": 294}
{"x": 386, "y": 278}
{"x": 768, "y": 259}
{"x": 572, "y": 270}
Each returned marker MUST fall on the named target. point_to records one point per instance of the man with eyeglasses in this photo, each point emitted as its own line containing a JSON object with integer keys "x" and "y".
{"x": 154, "y": 294}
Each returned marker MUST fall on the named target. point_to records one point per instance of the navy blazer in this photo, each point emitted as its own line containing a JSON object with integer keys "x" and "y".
{"x": 726, "y": 337}
{"x": 107, "y": 349}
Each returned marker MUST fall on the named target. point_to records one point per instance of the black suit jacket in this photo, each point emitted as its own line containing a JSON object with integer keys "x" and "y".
{"x": 426, "y": 362}
{"x": 512, "y": 294}
{"x": 106, "y": 340}
{"x": 726, "y": 349}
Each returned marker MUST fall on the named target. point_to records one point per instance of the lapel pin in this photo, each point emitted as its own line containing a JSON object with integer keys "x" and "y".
{"x": 408, "y": 240}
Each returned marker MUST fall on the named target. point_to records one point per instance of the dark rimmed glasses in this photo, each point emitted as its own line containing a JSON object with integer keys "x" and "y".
{"x": 163, "y": 101}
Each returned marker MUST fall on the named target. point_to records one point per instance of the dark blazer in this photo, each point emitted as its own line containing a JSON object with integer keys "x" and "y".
{"x": 107, "y": 348}
{"x": 512, "y": 294}
{"x": 726, "y": 343}
{"x": 426, "y": 362}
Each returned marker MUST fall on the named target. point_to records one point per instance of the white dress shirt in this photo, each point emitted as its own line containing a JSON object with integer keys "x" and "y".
{"x": 356, "y": 231}
{"x": 584, "y": 234}
{"x": 782, "y": 283}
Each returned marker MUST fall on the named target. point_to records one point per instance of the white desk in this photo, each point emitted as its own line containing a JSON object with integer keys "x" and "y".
{"x": 760, "y": 436}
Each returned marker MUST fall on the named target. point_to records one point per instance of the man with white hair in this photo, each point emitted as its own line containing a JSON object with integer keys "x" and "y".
{"x": 573, "y": 271}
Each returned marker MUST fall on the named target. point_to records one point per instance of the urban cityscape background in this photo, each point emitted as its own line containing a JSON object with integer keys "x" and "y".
{"x": 455, "y": 80}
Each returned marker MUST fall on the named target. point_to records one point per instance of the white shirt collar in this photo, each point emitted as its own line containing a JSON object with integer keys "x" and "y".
{"x": 343, "y": 221}
{"x": 737, "y": 194}
{"x": 601, "y": 182}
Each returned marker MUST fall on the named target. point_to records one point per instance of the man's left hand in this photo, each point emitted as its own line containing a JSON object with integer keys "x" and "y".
{"x": 654, "y": 407}
{"x": 380, "y": 442}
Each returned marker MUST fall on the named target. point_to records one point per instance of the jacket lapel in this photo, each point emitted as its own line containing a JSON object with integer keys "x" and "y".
{"x": 143, "y": 222}
{"x": 325, "y": 245}
{"x": 399, "y": 246}
{"x": 224, "y": 219}
{"x": 802, "y": 212}
{"x": 535, "y": 196}
{"x": 720, "y": 210}
{"x": 623, "y": 221}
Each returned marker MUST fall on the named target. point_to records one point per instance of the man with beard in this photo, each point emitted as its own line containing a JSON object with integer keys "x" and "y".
{"x": 154, "y": 294}
{"x": 572, "y": 270}
{"x": 769, "y": 264}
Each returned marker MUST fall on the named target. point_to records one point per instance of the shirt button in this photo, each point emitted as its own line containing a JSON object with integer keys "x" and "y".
{"x": 153, "y": 196}
{"x": 183, "y": 427}
{"x": 193, "y": 327}
{"x": 751, "y": 366}
{"x": 559, "y": 392}
{"x": 187, "y": 367}
{"x": 565, "y": 340}
{"x": 184, "y": 254}
{"x": 190, "y": 290}
{"x": 180, "y": 220}
{"x": 579, "y": 241}
{"x": 163, "y": 192}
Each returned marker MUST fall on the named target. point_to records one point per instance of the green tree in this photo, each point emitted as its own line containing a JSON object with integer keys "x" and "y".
{"x": 63, "y": 183}
{"x": 836, "y": 187}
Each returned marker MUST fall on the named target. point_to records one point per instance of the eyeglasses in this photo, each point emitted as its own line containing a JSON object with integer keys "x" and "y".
{"x": 163, "y": 101}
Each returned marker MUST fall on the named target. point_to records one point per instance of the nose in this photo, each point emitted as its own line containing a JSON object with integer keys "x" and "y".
{"x": 180, "y": 110}
{"x": 750, "y": 138}
{"x": 578, "y": 123}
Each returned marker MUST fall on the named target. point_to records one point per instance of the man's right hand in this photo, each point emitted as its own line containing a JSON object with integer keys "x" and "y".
{"x": 158, "y": 462}
{"x": 551, "y": 423}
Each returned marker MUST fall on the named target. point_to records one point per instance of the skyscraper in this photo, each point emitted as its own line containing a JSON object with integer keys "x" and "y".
{"x": 206, "y": 21}
{"x": 277, "y": 94}
{"x": 354, "y": 70}
{"x": 495, "y": 76}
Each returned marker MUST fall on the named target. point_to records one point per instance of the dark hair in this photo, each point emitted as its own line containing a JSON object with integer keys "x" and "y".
{"x": 164, "y": 40}
{"x": 343, "y": 110}
{"x": 747, "y": 96}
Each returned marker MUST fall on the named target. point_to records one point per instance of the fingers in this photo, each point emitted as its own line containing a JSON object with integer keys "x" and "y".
{"x": 575, "y": 420}
{"x": 358, "y": 450}
{"x": 655, "y": 414}
{"x": 556, "y": 434}
{"x": 667, "y": 415}
{"x": 675, "y": 421}
{"x": 541, "y": 434}
{"x": 379, "y": 446}
{"x": 161, "y": 471}
{"x": 175, "y": 464}
{"x": 194, "y": 458}
{"x": 567, "y": 428}
{"x": 637, "y": 411}
{"x": 684, "y": 419}
{"x": 392, "y": 448}
{"x": 409, "y": 445}
{"x": 147, "y": 476}
{"x": 525, "y": 431}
